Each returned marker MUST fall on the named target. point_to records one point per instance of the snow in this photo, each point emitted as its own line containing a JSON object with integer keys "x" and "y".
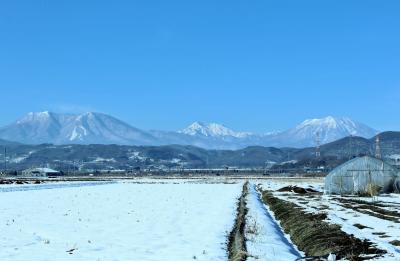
{"x": 277, "y": 183}
{"x": 98, "y": 128}
{"x": 135, "y": 155}
{"x": 21, "y": 158}
{"x": 165, "y": 219}
{"x": 330, "y": 129}
{"x": 265, "y": 238}
{"x": 37, "y": 116}
{"x": 18, "y": 159}
{"x": 175, "y": 160}
{"x": 289, "y": 162}
{"x": 100, "y": 159}
{"x": 46, "y": 186}
{"x": 78, "y": 133}
{"x": 60, "y": 128}
{"x": 212, "y": 130}
{"x": 328, "y": 121}
{"x": 118, "y": 221}
{"x": 346, "y": 217}
{"x": 45, "y": 170}
{"x": 395, "y": 156}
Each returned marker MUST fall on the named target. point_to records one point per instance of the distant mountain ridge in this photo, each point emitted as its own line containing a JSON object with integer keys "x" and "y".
{"x": 212, "y": 130}
{"x": 99, "y": 128}
{"x": 327, "y": 129}
{"x": 112, "y": 157}
{"x": 305, "y": 134}
{"x": 48, "y": 127}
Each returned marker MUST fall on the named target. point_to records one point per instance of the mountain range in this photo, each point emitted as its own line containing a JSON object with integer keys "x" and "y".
{"x": 99, "y": 128}
{"x": 114, "y": 157}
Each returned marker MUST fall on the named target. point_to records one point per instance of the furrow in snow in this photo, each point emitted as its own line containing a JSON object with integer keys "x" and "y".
{"x": 237, "y": 241}
{"x": 265, "y": 239}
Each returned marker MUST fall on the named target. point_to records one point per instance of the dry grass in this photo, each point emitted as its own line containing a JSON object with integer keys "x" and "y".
{"x": 359, "y": 226}
{"x": 373, "y": 190}
{"x": 316, "y": 237}
{"x": 237, "y": 244}
{"x": 368, "y": 208}
{"x": 252, "y": 227}
{"x": 395, "y": 242}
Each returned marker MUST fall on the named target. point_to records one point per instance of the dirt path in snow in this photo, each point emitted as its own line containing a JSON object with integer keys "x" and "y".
{"x": 237, "y": 242}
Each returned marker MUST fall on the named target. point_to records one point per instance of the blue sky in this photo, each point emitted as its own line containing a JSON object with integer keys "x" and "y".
{"x": 252, "y": 65}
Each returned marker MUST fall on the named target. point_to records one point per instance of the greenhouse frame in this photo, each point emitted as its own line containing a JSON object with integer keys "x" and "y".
{"x": 361, "y": 176}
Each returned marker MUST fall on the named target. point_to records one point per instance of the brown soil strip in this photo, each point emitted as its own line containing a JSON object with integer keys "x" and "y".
{"x": 296, "y": 189}
{"x": 379, "y": 233}
{"x": 366, "y": 203}
{"x": 316, "y": 237}
{"x": 360, "y": 226}
{"x": 395, "y": 242}
{"x": 370, "y": 209}
{"x": 237, "y": 242}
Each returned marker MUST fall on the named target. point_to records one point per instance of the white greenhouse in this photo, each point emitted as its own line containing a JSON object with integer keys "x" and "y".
{"x": 363, "y": 176}
{"x": 41, "y": 172}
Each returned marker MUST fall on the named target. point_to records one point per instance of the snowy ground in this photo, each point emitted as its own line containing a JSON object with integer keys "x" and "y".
{"x": 377, "y": 229}
{"x": 117, "y": 221}
{"x": 168, "y": 219}
{"x": 265, "y": 239}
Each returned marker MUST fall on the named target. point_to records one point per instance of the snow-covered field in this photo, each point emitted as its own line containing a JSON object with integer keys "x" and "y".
{"x": 117, "y": 221}
{"x": 350, "y": 213}
{"x": 172, "y": 219}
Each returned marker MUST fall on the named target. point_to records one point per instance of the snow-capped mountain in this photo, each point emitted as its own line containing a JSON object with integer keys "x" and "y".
{"x": 212, "y": 130}
{"x": 48, "y": 127}
{"x": 40, "y": 127}
{"x": 325, "y": 130}
{"x": 305, "y": 134}
{"x": 98, "y": 128}
{"x": 331, "y": 129}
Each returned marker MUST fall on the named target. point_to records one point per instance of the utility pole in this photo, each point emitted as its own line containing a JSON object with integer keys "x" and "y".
{"x": 5, "y": 159}
{"x": 318, "y": 145}
{"x": 378, "y": 153}
{"x": 350, "y": 147}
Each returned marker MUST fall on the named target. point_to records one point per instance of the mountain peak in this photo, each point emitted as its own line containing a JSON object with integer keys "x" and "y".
{"x": 85, "y": 128}
{"x": 330, "y": 122}
{"x": 329, "y": 129}
{"x": 35, "y": 116}
{"x": 211, "y": 130}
